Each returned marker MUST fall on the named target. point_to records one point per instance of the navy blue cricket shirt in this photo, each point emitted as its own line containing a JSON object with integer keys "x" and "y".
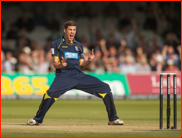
{"x": 73, "y": 52}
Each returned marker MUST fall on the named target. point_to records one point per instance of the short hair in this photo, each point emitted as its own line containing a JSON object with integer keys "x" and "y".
{"x": 69, "y": 23}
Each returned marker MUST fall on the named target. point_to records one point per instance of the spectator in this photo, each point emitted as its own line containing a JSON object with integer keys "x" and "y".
{"x": 50, "y": 61}
{"x": 97, "y": 36}
{"x": 174, "y": 57}
{"x": 126, "y": 33}
{"x": 152, "y": 62}
{"x": 128, "y": 67}
{"x": 86, "y": 54}
{"x": 112, "y": 65}
{"x": 35, "y": 45}
{"x": 43, "y": 66}
{"x": 12, "y": 33}
{"x": 97, "y": 64}
{"x": 162, "y": 17}
{"x": 139, "y": 54}
{"x": 127, "y": 52}
{"x": 27, "y": 51}
{"x": 169, "y": 53}
{"x": 141, "y": 42}
{"x": 8, "y": 68}
{"x": 34, "y": 57}
{"x": 159, "y": 63}
{"x": 122, "y": 47}
{"x": 171, "y": 67}
{"x": 25, "y": 64}
{"x": 153, "y": 46}
{"x": 139, "y": 51}
{"x": 143, "y": 66}
{"x": 112, "y": 52}
{"x": 111, "y": 42}
{"x": 171, "y": 39}
{"x": 103, "y": 48}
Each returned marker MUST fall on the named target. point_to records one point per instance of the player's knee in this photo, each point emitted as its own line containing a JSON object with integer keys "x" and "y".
{"x": 50, "y": 94}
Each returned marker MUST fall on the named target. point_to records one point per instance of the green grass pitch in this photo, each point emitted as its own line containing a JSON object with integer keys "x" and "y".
{"x": 87, "y": 118}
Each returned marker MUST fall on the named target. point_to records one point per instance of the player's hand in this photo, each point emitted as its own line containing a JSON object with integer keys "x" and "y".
{"x": 91, "y": 55}
{"x": 64, "y": 64}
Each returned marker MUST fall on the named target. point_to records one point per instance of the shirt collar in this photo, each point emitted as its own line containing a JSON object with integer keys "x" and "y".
{"x": 64, "y": 40}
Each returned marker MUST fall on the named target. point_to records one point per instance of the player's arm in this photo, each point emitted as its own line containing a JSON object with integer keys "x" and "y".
{"x": 84, "y": 64}
{"x": 57, "y": 64}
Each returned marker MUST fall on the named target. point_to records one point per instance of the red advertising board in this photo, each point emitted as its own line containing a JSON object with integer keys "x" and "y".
{"x": 149, "y": 84}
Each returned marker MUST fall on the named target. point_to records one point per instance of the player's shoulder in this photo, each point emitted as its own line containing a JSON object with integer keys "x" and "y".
{"x": 78, "y": 43}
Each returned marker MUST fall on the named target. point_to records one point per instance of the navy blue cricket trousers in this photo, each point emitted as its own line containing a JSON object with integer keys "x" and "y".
{"x": 75, "y": 79}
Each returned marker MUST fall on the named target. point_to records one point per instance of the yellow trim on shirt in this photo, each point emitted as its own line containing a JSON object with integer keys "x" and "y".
{"x": 58, "y": 58}
{"x": 60, "y": 43}
{"x": 69, "y": 43}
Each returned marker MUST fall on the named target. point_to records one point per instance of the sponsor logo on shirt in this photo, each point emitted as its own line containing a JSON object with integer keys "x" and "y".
{"x": 71, "y": 55}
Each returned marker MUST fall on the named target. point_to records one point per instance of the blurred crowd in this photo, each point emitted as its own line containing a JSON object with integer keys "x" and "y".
{"x": 143, "y": 40}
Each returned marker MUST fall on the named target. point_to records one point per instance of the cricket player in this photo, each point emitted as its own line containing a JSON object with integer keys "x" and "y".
{"x": 68, "y": 59}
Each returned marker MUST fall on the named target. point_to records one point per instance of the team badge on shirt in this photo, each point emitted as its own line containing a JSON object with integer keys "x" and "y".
{"x": 76, "y": 48}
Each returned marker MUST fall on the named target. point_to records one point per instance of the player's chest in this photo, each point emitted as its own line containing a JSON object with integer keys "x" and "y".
{"x": 69, "y": 51}
{"x": 69, "y": 48}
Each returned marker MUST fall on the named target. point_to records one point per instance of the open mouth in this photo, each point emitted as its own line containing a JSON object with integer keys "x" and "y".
{"x": 71, "y": 36}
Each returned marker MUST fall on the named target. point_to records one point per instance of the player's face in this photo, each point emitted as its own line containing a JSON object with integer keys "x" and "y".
{"x": 70, "y": 33}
